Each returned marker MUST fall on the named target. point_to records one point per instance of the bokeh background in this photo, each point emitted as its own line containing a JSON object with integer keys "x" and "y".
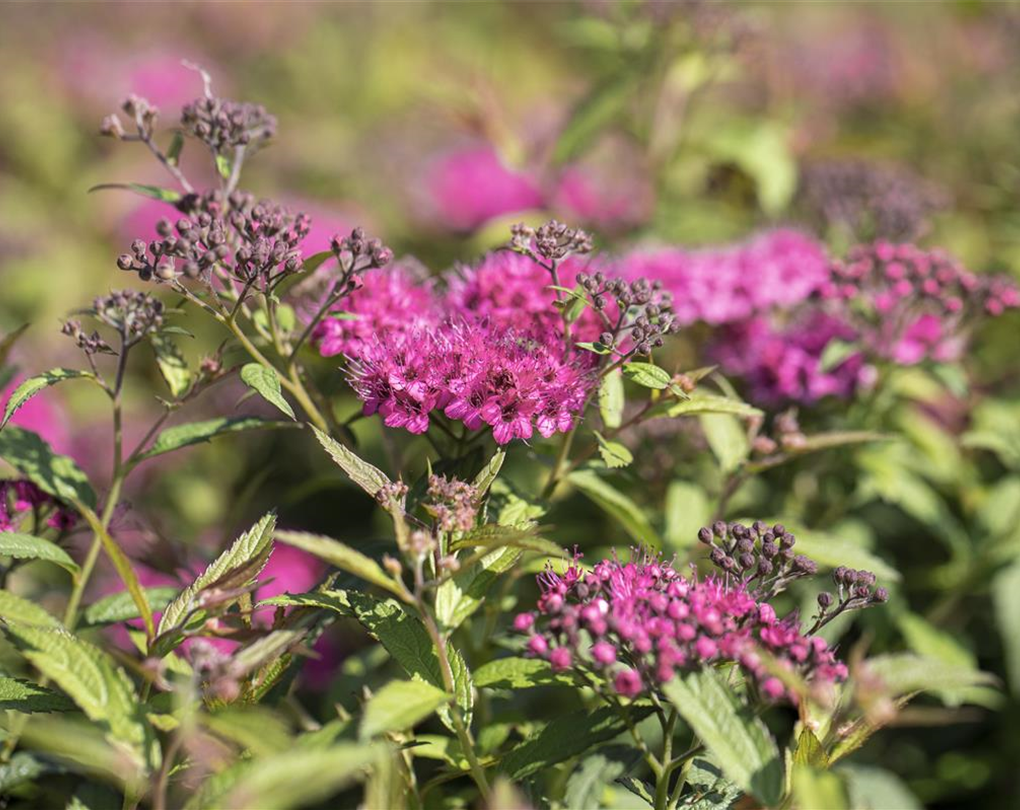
{"x": 677, "y": 123}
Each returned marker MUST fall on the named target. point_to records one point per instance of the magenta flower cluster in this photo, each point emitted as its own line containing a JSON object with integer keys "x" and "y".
{"x": 638, "y": 624}
{"x": 718, "y": 285}
{"x": 20, "y": 498}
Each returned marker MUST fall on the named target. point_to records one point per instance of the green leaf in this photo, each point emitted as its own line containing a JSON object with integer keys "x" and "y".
{"x": 92, "y": 680}
{"x": 369, "y": 478}
{"x": 706, "y": 404}
{"x": 286, "y": 780}
{"x": 489, "y": 473}
{"x": 1006, "y": 599}
{"x": 29, "y": 547}
{"x": 198, "y": 432}
{"x": 739, "y": 742}
{"x": 602, "y": 105}
{"x": 518, "y": 673}
{"x": 23, "y": 767}
{"x": 593, "y": 774}
{"x": 614, "y": 454}
{"x": 121, "y": 607}
{"x": 835, "y": 353}
{"x": 172, "y": 364}
{"x": 53, "y": 473}
{"x": 463, "y": 593}
{"x": 904, "y": 673}
{"x": 511, "y": 509}
{"x": 612, "y": 399}
{"x": 316, "y": 260}
{"x": 398, "y": 706}
{"x": 266, "y": 382}
{"x": 687, "y": 510}
{"x": 831, "y": 551}
{"x": 709, "y": 789}
{"x": 152, "y": 192}
{"x": 629, "y": 514}
{"x": 638, "y": 788}
{"x": 493, "y": 536}
{"x": 818, "y": 790}
{"x": 173, "y": 153}
{"x": 16, "y": 609}
{"x": 727, "y": 438}
{"x": 342, "y": 556}
{"x": 566, "y": 737}
{"x": 24, "y": 696}
{"x": 872, "y": 788}
{"x": 255, "y": 728}
{"x": 245, "y": 558}
{"x": 223, "y": 166}
{"x": 33, "y": 385}
{"x": 648, "y": 375}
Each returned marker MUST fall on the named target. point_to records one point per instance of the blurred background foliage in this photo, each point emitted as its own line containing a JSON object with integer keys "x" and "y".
{"x": 704, "y": 119}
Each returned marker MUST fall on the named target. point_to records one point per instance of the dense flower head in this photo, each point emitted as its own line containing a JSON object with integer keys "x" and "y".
{"x": 453, "y": 503}
{"x": 911, "y": 304}
{"x": 719, "y": 285}
{"x": 783, "y": 363}
{"x": 224, "y": 125}
{"x": 20, "y": 498}
{"x": 131, "y": 313}
{"x": 390, "y": 301}
{"x": 639, "y": 623}
{"x": 475, "y": 373}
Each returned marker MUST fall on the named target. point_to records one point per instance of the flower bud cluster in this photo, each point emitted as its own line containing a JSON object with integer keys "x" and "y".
{"x": 637, "y": 624}
{"x": 759, "y": 557}
{"x": 89, "y": 343}
{"x": 357, "y": 253}
{"x": 224, "y": 125}
{"x": 143, "y": 114}
{"x": 854, "y": 590}
{"x": 636, "y": 313}
{"x": 19, "y": 498}
{"x": 786, "y": 435}
{"x": 453, "y": 503}
{"x": 553, "y": 241}
{"x": 132, "y": 313}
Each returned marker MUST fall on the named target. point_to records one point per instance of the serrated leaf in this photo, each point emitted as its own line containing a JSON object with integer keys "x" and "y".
{"x": 180, "y": 436}
{"x": 461, "y": 595}
{"x": 33, "y": 385}
{"x": 595, "y": 772}
{"x": 738, "y": 742}
{"x": 709, "y": 789}
{"x": 29, "y": 547}
{"x": 17, "y": 609}
{"x": 266, "y": 383}
{"x": 518, "y": 673}
{"x": 53, "y": 473}
{"x": 121, "y": 607}
{"x": 629, "y": 514}
{"x": 612, "y": 399}
{"x": 398, "y": 706}
{"x": 152, "y": 192}
{"x": 24, "y": 696}
{"x": 638, "y": 788}
{"x": 511, "y": 509}
{"x": 565, "y": 737}
{"x": 614, "y": 454}
{"x": 493, "y": 536}
{"x": 249, "y": 552}
{"x": 727, "y": 438}
{"x": 172, "y": 365}
{"x": 648, "y": 375}
{"x": 365, "y": 475}
{"x": 100, "y": 688}
{"x": 342, "y": 556}
{"x": 286, "y": 780}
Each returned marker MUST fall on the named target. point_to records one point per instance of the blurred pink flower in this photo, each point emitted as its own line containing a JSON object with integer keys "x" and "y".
{"x": 582, "y": 195}
{"x": 469, "y": 186}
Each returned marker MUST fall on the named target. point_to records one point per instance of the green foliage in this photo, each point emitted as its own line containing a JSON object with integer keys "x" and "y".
{"x": 28, "y": 547}
{"x": 398, "y": 706}
{"x": 631, "y": 517}
{"x": 186, "y": 435}
{"x": 53, "y": 473}
{"x": 266, "y": 383}
{"x": 341, "y": 556}
{"x": 33, "y": 385}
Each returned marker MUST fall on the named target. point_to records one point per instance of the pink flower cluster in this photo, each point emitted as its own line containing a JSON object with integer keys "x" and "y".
{"x": 476, "y": 373}
{"x": 19, "y": 498}
{"x": 910, "y": 304}
{"x": 718, "y": 285}
{"x": 639, "y": 623}
{"x": 782, "y": 364}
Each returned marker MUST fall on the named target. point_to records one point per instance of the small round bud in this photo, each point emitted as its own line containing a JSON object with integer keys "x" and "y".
{"x": 825, "y": 600}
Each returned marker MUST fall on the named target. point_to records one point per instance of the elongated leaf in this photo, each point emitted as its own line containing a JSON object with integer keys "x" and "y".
{"x": 488, "y": 474}
{"x": 172, "y": 364}
{"x": 250, "y": 552}
{"x": 709, "y": 789}
{"x": 903, "y": 673}
{"x": 817, "y": 789}
{"x": 33, "y": 385}
{"x": 463, "y": 594}
{"x": 92, "y": 680}
{"x": 29, "y": 547}
{"x": 121, "y": 607}
{"x": 122, "y": 564}
{"x": 398, "y": 706}
{"x": 365, "y": 475}
{"x": 595, "y": 773}
{"x": 687, "y": 510}
{"x": 706, "y": 403}
{"x": 648, "y": 375}
{"x": 1006, "y": 598}
{"x": 518, "y": 673}
{"x": 612, "y": 399}
{"x": 286, "y": 780}
{"x": 342, "y": 556}
{"x": 152, "y": 192}
{"x": 727, "y": 438}
{"x": 25, "y": 696}
{"x": 566, "y": 737}
{"x": 198, "y": 432}
{"x": 629, "y": 514}
{"x": 738, "y": 742}
{"x": 266, "y": 383}
{"x": 316, "y": 260}
{"x": 16, "y": 609}
{"x": 53, "y": 473}
{"x": 493, "y": 536}
{"x": 604, "y": 103}
{"x": 873, "y": 788}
